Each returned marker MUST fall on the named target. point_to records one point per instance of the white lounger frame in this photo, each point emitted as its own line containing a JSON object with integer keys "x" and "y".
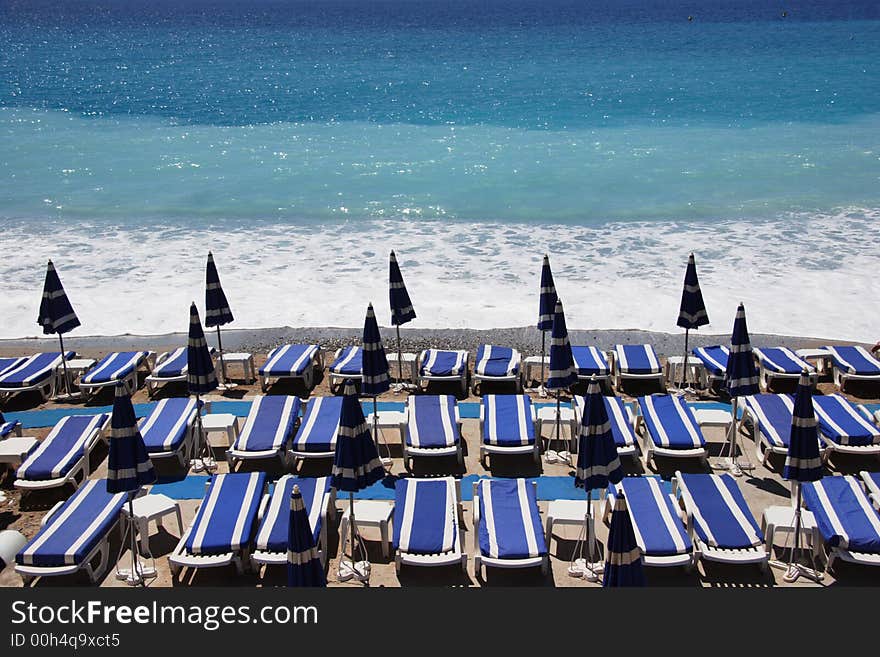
{"x": 47, "y": 388}
{"x": 308, "y": 376}
{"x": 187, "y": 448}
{"x": 763, "y": 447}
{"x": 617, "y": 376}
{"x": 652, "y": 449}
{"x": 534, "y": 450}
{"x": 454, "y": 557}
{"x": 130, "y": 380}
{"x": 872, "y": 488}
{"x": 461, "y": 378}
{"x": 631, "y": 450}
{"x": 766, "y": 375}
{"x": 517, "y": 378}
{"x": 479, "y": 559}
{"x": 153, "y": 382}
{"x": 841, "y": 378}
{"x": 853, "y": 450}
{"x": 336, "y": 378}
{"x": 409, "y": 452}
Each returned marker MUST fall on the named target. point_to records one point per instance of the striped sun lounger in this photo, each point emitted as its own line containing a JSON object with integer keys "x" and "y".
{"x": 719, "y": 520}
{"x": 291, "y": 361}
{"x": 872, "y": 483}
{"x": 508, "y": 532}
{"x": 433, "y": 428}
{"x": 348, "y": 363}
{"x": 637, "y": 362}
{"x": 270, "y": 545}
{"x": 590, "y": 361}
{"x": 714, "y": 359}
{"x": 63, "y": 456}
{"x": 660, "y": 533}
{"x": 222, "y": 530}
{"x": 39, "y": 372}
{"x": 622, "y": 423}
{"x": 7, "y": 364}
{"x": 853, "y": 363}
{"x": 443, "y": 365}
{"x": 497, "y": 364}
{"x": 427, "y": 513}
{"x": 843, "y": 428}
{"x": 170, "y": 367}
{"x": 780, "y": 363}
{"x": 770, "y": 418}
{"x": 267, "y": 429}
{"x": 168, "y": 428}
{"x": 507, "y": 426}
{"x": 112, "y": 368}
{"x": 670, "y": 428}
{"x": 7, "y": 428}
{"x": 73, "y": 534}
{"x": 316, "y": 436}
{"x": 848, "y": 523}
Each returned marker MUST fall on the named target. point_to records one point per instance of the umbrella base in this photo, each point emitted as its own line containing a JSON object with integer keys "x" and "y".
{"x": 226, "y": 386}
{"x": 203, "y": 464}
{"x": 354, "y": 570}
{"x": 397, "y": 388}
{"x": 588, "y": 571}
{"x": 137, "y": 577}
{"x": 733, "y": 466}
{"x": 69, "y": 397}
{"x": 795, "y": 571}
{"x": 552, "y": 456}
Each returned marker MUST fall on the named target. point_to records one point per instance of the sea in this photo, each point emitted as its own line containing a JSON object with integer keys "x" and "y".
{"x": 302, "y": 140}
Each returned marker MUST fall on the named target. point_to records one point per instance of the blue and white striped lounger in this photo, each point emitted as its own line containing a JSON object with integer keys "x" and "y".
{"x": 660, "y": 533}
{"x": 497, "y": 364}
{"x": 872, "y": 484}
{"x": 270, "y": 545}
{"x": 433, "y": 428}
{"x": 112, "y": 368}
{"x": 168, "y": 428}
{"x": 622, "y": 423}
{"x": 7, "y": 428}
{"x": 719, "y": 520}
{"x": 590, "y": 361}
{"x": 267, "y": 429}
{"x": 7, "y": 364}
{"x": 291, "y": 361}
{"x": 670, "y": 428}
{"x": 508, "y": 532}
{"x": 170, "y": 366}
{"x": 770, "y": 417}
{"x": 714, "y": 359}
{"x": 853, "y": 363}
{"x": 316, "y": 436}
{"x": 348, "y": 363}
{"x": 222, "y": 530}
{"x": 427, "y": 513}
{"x": 507, "y": 426}
{"x": 39, "y": 372}
{"x": 848, "y": 523}
{"x": 780, "y": 363}
{"x": 638, "y": 362}
{"x": 843, "y": 428}
{"x": 73, "y": 533}
{"x": 443, "y": 365}
{"x": 63, "y": 455}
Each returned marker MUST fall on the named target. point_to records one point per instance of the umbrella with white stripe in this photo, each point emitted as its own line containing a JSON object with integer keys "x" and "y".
{"x": 692, "y": 313}
{"x": 304, "y": 566}
{"x": 623, "y": 565}
{"x": 374, "y": 373}
{"x": 562, "y": 374}
{"x": 56, "y": 315}
{"x": 128, "y": 468}
{"x": 741, "y": 379}
{"x": 217, "y": 312}
{"x": 546, "y": 310}
{"x": 401, "y": 307}
{"x": 201, "y": 377}
{"x": 356, "y": 465}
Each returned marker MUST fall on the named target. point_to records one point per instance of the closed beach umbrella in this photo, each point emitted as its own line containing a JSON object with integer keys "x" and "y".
{"x": 692, "y": 314}
{"x": 57, "y": 315}
{"x": 546, "y": 308}
{"x": 303, "y": 563}
{"x": 401, "y": 307}
{"x": 374, "y": 372}
{"x": 623, "y": 565}
{"x": 562, "y": 374}
{"x": 741, "y": 378}
{"x": 356, "y": 465}
{"x": 217, "y": 312}
{"x": 128, "y": 468}
{"x": 802, "y": 463}
{"x": 200, "y": 374}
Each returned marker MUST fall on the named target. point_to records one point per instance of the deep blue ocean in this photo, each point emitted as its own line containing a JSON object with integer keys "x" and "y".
{"x": 302, "y": 140}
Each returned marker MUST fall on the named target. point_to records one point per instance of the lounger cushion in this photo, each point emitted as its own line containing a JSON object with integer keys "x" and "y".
{"x": 714, "y": 359}
{"x": 496, "y": 361}
{"x": 841, "y": 422}
{"x": 854, "y": 360}
{"x": 290, "y": 360}
{"x": 174, "y": 365}
{"x": 508, "y": 420}
{"x": 350, "y": 361}
{"x": 8, "y": 364}
{"x": 7, "y": 428}
{"x": 320, "y": 425}
{"x": 670, "y": 422}
{"x": 62, "y": 448}
{"x": 722, "y": 518}
{"x": 75, "y": 529}
{"x": 35, "y": 370}
{"x": 437, "y": 362}
{"x": 273, "y": 531}
{"x": 432, "y": 421}
{"x": 269, "y": 423}
{"x": 773, "y": 414}
{"x": 637, "y": 359}
{"x": 658, "y": 528}
{"x": 114, "y": 367}
{"x": 781, "y": 360}
{"x": 425, "y": 516}
{"x": 589, "y": 361}
{"x": 225, "y": 520}
{"x": 165, "y": 427}
{"x": 843, "y": 514}
{"x": 510, "y": 525}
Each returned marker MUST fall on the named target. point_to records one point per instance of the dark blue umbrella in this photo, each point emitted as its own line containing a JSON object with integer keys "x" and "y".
{"x": 562, "y": 372}
{"x": 741, "y": 378}
{"x": 56, "y": 314}
{"x": 546, "y": 307}
{"x": 201, "y": 376}
{"x": 374, "y": 373}
{"x": 303, "y": 563}
{"x": 217, "y": 312}
{"x": 356, "y": 463}
{"x": 692, "y": 314}
{"x": 401, "y": 306}
{"x": 623, "y": 564}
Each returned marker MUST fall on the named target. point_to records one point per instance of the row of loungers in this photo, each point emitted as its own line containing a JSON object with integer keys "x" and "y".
{"x": 241, "y": 522}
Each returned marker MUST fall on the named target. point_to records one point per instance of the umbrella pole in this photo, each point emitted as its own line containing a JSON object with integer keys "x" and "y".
{"x": 558, "y": 419}
{"x": 543, "y": 351}
{"x": 202, "y": 445}
{"x": 735, "y": 470}
{"x": 135, "y": 578}
{"x": 64, "y": 366}
{"x": 589, "y": 572}
{"x": 222, "y": 362}
{"x": 399, "y": 355}
{"x": 684, "y": 377}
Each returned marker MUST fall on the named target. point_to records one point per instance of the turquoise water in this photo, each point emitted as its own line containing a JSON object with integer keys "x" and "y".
{"x": 302, "y": 140}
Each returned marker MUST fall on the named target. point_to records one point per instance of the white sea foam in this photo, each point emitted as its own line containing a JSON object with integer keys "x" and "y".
{"x": 798, "y": 274}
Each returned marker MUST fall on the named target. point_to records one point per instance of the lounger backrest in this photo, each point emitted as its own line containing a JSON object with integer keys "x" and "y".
{"x": 671, "y": 422}
{"x": 437, "y": 362}
{"x": 9, "y": 364}
{"x": 510, "y": 525}
{"x": 714, "y": 358}
{"x": 320, "y": 425}
{"x": 854, "y": 360}
{"x": 659, "y": 530}
{"x": 225, "y": 520}
{"x": 431, "y": 421}
{"x": 773, "y": 414}
{"x": 166, "y": 425}
{"x": 840, "y": 421}
{"x": 496, "y": 361}
{"x": 589, "y": 360}
{"x": 722, "y": 518}
{"x": 114, "y": 366}
{"x": 33, "y": 370}
{"x": 425, "y": 515}
{"x": 75, "y": 529}
{"x": 272, "y": 534}
{"x": 843, "y": 513}
{"x": 637, "y": 359}
{"x": 175, "y": 364}
{"x": 269, "y": 423}
{"x": 782, "y": 360}
{"x": 508, "y": 420}
{"x": 62, "y": 448}
{"x": 289, "y": 360}
{"x": 349, "y": 361}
